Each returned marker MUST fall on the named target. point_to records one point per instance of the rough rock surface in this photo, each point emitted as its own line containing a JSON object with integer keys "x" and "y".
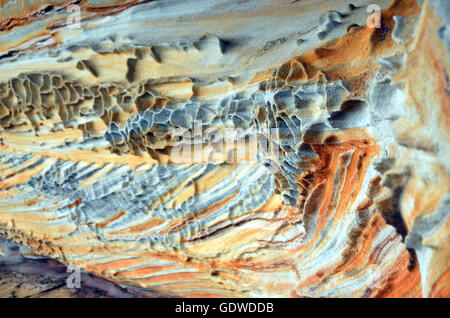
{"x": 24, "y": 275}
{"x": 356, "y": 204}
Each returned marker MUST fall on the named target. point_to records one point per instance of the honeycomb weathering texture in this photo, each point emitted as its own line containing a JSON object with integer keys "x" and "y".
{"x": 355, "y": 202}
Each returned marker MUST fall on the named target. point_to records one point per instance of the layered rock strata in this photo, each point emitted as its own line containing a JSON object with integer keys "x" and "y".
{"x": 230, "y": 149}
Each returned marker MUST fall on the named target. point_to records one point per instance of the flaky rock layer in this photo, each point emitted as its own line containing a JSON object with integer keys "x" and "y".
{"x": 350, "y": 197}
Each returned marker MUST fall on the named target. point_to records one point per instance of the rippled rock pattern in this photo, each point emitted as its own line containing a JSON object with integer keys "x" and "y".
{"x": 356, "y": 204}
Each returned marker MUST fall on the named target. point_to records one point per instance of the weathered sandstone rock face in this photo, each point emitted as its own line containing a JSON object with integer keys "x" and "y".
{"x": 270, "y": 148}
